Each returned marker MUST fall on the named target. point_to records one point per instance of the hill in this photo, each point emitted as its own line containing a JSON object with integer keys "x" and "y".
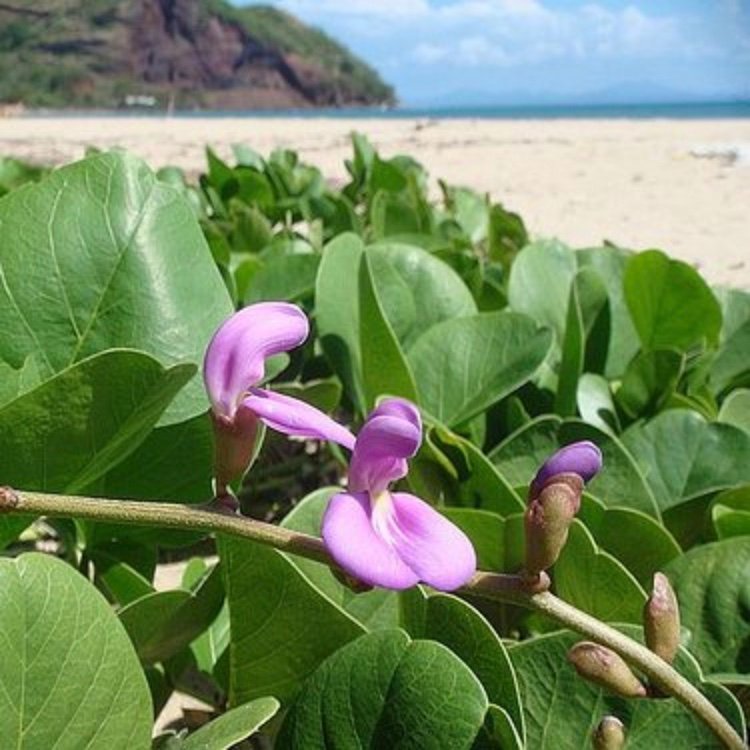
{"x": 197, "y": 53}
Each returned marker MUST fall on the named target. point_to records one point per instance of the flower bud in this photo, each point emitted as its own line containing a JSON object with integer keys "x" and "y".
{"x": 547, "y": 520}
{"x": 234, "y": 447}
{"x": 661, "y": 619}
{"x": 582, "y": 458}
{"x": 609, "y": 734}
{"x": 605, "y": 668}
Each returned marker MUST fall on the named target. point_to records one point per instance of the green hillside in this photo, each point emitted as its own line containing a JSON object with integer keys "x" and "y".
{"x": 197, "y": 53}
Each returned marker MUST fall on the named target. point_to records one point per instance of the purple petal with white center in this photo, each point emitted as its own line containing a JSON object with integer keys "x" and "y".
{"x": 582, "y": 458}
{"x": 235, "y": 358}
{"x": 391, "y": 434}
{"x": 353, "y": 543}
{"x": 433, "y": 547}
{"x": 294, "y": 417}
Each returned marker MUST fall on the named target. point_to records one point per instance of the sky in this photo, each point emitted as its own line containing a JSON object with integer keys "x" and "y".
{"x": 543, "y": 51}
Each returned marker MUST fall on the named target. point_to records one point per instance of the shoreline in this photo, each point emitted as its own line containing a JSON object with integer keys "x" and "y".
{"x": 682, "y": 185}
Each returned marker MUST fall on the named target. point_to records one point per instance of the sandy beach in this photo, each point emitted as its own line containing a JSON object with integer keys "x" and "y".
{"x": 679, "y": 185}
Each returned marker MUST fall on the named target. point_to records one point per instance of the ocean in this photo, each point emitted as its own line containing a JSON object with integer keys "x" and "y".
{"x": 679, "y": 111}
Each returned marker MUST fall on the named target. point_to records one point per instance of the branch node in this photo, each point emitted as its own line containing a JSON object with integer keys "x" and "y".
{"x": 8, "y": 499}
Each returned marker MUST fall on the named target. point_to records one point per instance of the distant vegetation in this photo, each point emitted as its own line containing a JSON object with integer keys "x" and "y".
{"x": 205, "y": 53}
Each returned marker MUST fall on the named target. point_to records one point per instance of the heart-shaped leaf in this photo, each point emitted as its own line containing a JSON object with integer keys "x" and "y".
{"x": 462, "y": 366}
{"x": 151, "y": 283}
{"x": 385, "y": 690}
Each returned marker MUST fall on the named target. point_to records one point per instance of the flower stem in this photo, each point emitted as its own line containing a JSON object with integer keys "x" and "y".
{"x": 511, "y": 589}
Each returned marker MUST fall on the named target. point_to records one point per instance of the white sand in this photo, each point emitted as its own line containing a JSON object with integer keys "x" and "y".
{"x": 673, "y": 184}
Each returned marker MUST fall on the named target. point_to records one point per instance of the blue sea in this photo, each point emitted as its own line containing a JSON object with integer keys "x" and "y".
{"x": 679, "y": 111}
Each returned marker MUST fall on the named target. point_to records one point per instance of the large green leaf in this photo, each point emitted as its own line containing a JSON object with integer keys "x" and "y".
{"x": 337, "y": 311}
{"x": 562, "y": 709}
{"x": 69, "y": 677}
{"x": 462, "y": 366}
{"x": 68, "y": 432}
{"x": 385, "y": 370}
{"x": 712, "y": 586}
{"x": 730, "y": 512}
{"x": 539, "y": 284}
{"x": 620, "y": 481}
{"x": 649, "y": 380}
{"x": 282, "y": 626}
{"x": 671, "y": 305}
{"x": 610, "y": 264}
{"x": 457, "y": 625}
{"x": 416, "y": 289}
{"x": 99, "y": 255}
{"x": 736, "y": 409}
{"x": 387, "y": 691}
{"x": 684, "y": 457}
{"x": 374, "y": 609}
{"x": 588, "y": 297}
{"x": 595, "y": 581}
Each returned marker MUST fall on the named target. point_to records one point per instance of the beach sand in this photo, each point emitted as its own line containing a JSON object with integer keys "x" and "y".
{"x": 679, "y": 185}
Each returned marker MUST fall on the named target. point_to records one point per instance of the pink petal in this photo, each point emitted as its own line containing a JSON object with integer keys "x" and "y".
{"x": 353, "y": 543}
{"x": 438, "y": 552}
{"x": 294, "y": 417}
{"x": 235, "y": 358}
{"x": 391, "y": 434}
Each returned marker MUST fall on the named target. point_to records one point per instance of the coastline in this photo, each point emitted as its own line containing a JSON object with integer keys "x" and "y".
{"x": 682, "y": 185}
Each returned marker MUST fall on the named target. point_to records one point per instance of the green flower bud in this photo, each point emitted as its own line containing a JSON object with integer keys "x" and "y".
{"x": 661, "y": 619}
{"x": 609, "y": 734}
{"x": 605, "y": 668}
{"x": 547, "y": 520}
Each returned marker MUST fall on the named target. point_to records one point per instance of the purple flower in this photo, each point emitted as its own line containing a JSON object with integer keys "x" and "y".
{"x": 393, "y": 539}
{"x": 234, "y": 365}
{"x": 582, "y": 458}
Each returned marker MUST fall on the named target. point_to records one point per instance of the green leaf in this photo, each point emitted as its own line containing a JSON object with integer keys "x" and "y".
{"x": 385, "y": 370}
{"x": 416, "y": 289}
{"x": 685, "y": 457}
{"x": 497, "y": 541}
{"x": 594, "y": 401}
{"x": 457, "y": 625}
{"x": 224, "y": 732}
{"x": 649, "y": 381}
{"x": 670, "y": 304}
{"x": 639, "y": 542}
{"x": 595, "y": 581}
{"x": 620, "y": 482}
{"x": 466, "y": 476}
{"x": 730, "y": 512}
{"x": 385, "y": 690}
{"x": 72, "y": 429}
{"x": 736, "y": 409}
{"x": 562, "y": 709}
{"x": 337, "y": 312}
{"x": 462, "y": 366}
{"x": 162, "y": 623}
{"x": 539, "y": 284}
{"x": 731, "y": 367}
{"x": 284, "y": 277}
{"x": 70, "y": 678}
{"x": 610, "y": 262}
{"x": 588, "y": 296}
{"x": 499, "y": 732}
{"x": 711, "y": 584}
{"x": 282, "y": 626}
{"x": 373, "y": 609}
{"x": 102, "y": 255}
